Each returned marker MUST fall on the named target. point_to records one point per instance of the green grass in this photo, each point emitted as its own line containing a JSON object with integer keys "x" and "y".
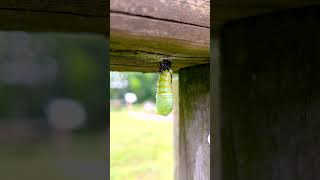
{"x": 140, "y": 149}
{"x": 43, "y": 162}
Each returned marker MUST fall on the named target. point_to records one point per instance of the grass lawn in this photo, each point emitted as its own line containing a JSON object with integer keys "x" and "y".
{"x": 86, "y": 160}
{"x": 140, "y": 149}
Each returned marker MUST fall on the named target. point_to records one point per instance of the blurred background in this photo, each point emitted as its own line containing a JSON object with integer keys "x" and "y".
{"x": 53, "y": 106}
{"x": 141, "y": 142}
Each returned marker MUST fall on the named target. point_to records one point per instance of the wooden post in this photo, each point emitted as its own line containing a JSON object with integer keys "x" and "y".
{"x": 269, "y": 90}
{"x": 194, "y": 125}
{"x": 175, "y": 88}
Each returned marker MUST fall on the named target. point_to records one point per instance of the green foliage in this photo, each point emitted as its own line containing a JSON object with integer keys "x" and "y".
{"x": 42, "y": 158}
{"x": 36, "y": 68}
{"x": 142, "y": 84}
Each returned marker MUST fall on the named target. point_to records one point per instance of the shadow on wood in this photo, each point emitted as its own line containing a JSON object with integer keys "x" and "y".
{"x": 270, "y": 92}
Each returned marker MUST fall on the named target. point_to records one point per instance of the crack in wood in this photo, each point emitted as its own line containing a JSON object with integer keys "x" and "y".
{"x": 159, "y": 19}
{"x": 113, "y": 64}
{"x": 160, "y": 54}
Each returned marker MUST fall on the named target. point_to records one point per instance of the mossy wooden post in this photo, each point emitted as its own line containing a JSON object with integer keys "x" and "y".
{"x": 269, "y": 91}
{"x": 194, "y": 123}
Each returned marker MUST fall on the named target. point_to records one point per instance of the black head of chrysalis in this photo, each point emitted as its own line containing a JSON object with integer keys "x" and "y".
{"x": 165, "y": 64}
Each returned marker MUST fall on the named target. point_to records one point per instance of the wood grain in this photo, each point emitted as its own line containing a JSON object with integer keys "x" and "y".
{"x": 176, "y": 130}
{"x": 136, "y": 53}
{"x": 195, "y": 12}
{"x": 151, "y": 30}
{"x": 149, "y": 27}
{"x": 194, "y": 123}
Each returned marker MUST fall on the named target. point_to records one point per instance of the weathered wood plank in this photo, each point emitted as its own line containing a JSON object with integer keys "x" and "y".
{"x": 270, "y": 94}
{"x": 143, "y": 26}
{"x": 229, "y": 10}
{"x": 194, "y": 123}
{"x": 55, "y": 16}
{"x": 136, "y": 53}
{"x": 144, "y": 32}
{"x": 195, "y": 12}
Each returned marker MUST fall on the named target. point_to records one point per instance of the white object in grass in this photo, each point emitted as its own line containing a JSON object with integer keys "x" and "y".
{"x": 130, "y": 97}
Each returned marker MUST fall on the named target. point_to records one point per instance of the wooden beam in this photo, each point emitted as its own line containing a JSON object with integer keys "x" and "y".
{"x": 194, "y": 123}
{"x": 167, "y": 10}
{"x": 229, "y": 10}
{"x": 55, "y": 16}
{"x": 144, "y": 32}
{"x": 136, "y": 53}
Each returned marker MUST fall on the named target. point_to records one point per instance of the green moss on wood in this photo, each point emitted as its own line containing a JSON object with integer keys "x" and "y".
{"x": 145, "y": 52}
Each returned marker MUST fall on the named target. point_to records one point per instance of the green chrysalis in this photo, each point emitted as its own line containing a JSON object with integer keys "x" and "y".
{"x": 164, "y": 96}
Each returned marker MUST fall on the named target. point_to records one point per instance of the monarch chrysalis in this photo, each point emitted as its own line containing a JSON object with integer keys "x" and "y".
{"x": 164, "y": 96}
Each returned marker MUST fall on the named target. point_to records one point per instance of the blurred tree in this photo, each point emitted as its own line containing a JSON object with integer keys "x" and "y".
{"x": 39, "y": 67}
{"x": 142, "y": 84}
